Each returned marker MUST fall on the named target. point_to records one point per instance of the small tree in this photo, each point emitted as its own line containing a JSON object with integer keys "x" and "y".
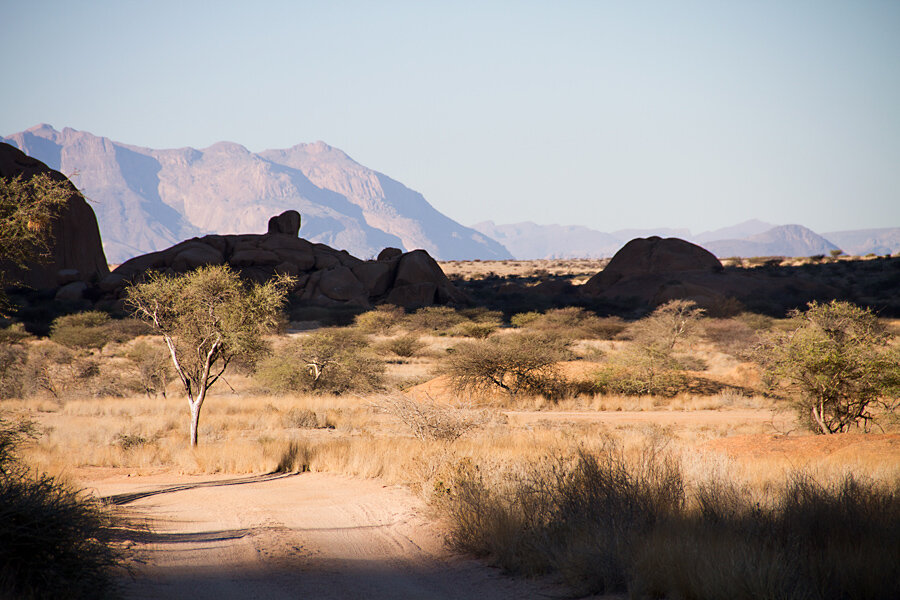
{"x": 27, "y": 206}
{"x": 518, "y": 363}
{"x": 838, "y": 364}
{"x": 208, "y": 317}
{"x": 657, "y": 335}
{"x": 332, "y": 361}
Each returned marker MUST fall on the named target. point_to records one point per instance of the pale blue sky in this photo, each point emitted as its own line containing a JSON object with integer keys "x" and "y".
{"x": 606, "y": 114}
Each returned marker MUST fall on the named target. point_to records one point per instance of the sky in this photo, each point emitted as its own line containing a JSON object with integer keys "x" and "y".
{"x": 612, "y": 115}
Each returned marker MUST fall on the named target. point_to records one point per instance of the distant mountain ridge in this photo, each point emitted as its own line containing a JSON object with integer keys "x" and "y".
{"x": 147, "y": 199}
{"x": 751, "y": 238}
{"x": 785, "y": 240}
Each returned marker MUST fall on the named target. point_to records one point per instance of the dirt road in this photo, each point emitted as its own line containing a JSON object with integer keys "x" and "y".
{"x": 295, "y": 536}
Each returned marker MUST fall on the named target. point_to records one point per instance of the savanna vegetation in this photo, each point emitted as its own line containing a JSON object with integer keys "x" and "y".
{"x": 642, "y": 456}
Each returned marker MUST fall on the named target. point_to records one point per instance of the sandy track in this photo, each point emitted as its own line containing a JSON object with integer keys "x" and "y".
{"x": 297, "y": 536}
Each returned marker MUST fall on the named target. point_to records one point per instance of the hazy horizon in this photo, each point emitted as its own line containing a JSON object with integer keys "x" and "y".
{"x": 618, "y": 116}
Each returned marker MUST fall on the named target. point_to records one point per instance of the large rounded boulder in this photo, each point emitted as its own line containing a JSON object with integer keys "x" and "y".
{"x": 653, "y": 256}
{"x": 75, "y": 252}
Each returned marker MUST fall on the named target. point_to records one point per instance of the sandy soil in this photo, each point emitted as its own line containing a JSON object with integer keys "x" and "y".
{"x": 312, "y": 535}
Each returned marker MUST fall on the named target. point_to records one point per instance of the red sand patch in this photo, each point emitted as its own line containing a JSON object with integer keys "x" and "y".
{"x": 885, "y": 446}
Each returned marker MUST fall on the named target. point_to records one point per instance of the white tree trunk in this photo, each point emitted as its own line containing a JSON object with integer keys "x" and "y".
{"x": 195, "y": 422}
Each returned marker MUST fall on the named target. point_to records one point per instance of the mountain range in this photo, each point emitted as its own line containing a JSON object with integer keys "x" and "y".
{"x": 146, "y": 200}
{"x": 527, "y": 240}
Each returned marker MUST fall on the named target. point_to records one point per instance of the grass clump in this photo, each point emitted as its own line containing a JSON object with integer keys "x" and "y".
{"x": 430, "y": 421}
{"x": 606, "y": 523}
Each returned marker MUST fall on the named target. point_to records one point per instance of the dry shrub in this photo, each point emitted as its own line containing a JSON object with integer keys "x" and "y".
{"x": 430, "y": 421}
{"x": 14, "y": 334}
{"x": 609, "y": 524}
{"x": 50, "y": 368}
{"x": 94, "y": 330}
{"x": 153, "y": 364}
{"x": 433, "y": 319}
{"x": 382, "y": 320}
{"x": 580, "y": 517}
{"x": 731, "y": 336}
{"x": 475, "y": 330}
{"x": 334, "y": 361}
{"x": 300, "y": 418}
{"x": 814, "y": 540}
{"x": 517, "y": 364}
{"x": 12, "y": 370}
{"x": 626, "y": 380}
{"x": 404, "y": 346}
{"x": 573, "y": 322}
{"x": 55, "y": 542}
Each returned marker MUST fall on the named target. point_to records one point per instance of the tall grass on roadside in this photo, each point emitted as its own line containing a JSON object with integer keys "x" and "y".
{"x": 54, "y": 541}
{"x": 607, "y": 524}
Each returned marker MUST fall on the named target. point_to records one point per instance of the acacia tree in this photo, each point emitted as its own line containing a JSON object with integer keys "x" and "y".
{"x": 208, "y": 317}
{"x": 27, "y": 206}
{"x": 519, "y": 363}
{"x": 838, "y": 364}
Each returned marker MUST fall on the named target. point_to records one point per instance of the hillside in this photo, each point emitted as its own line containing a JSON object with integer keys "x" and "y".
{"x": 530, "y": 241}
{"x": 786, "y": 240}
{"x": 864, "y": 241}
{"x": 147, "y": 199}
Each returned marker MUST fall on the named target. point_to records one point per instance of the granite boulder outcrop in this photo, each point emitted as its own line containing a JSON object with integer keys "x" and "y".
{"x": 74, "y": 256}
{"x": 325, "y": 276}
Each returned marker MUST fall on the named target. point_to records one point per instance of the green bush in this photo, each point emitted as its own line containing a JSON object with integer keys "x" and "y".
{"x": 87, "y": 330}
{"x": 55, "y": 542}
{"x": 332, "y": 361}
{"x": 756, "y": 321}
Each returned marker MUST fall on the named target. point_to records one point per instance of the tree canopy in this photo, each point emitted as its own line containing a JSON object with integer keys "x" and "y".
{"x": 208, "y": 317}
{"x": 838, "y": 364}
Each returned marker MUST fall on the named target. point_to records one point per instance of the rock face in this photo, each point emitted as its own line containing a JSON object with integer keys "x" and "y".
{"x": 325, "y": 276}
{"x": 75, "y": 249}
{"x": 653, "y": 256}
